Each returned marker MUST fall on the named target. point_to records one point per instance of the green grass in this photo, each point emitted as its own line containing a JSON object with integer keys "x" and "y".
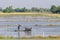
{"x": 35, "y": 39}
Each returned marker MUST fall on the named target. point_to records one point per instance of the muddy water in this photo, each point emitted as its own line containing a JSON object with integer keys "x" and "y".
{"x": 9, "y": 24}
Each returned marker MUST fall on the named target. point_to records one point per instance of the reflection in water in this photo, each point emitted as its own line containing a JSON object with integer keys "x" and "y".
{"x": 18, "y": 35}
{"x": 28, "y": 33}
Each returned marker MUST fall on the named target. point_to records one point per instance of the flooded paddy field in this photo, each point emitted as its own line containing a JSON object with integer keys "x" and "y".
{"x": 41, "y": 26}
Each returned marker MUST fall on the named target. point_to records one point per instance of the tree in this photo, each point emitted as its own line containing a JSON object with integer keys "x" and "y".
{"x": 8, "y": 9}
{"x": 58, "y": 10}
{"x": 23, "y": 9}
{"x": 34, "y": 9}
{"x": 17, "y": 10}
{"x": 53, "y": 9}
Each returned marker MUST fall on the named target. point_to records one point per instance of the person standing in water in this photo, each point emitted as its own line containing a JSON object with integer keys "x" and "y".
{"x": 19, "y": 27}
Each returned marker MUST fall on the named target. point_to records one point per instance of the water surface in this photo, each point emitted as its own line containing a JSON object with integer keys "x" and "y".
{"x": 9, "y": 24}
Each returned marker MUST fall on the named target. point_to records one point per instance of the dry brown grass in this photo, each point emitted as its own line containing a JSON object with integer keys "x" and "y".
{"x": 29, "y": 14}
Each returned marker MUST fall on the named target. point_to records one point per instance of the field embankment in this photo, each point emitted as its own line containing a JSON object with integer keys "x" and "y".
{"x": 33, "y": 38}
{"x": 30, "y": 14}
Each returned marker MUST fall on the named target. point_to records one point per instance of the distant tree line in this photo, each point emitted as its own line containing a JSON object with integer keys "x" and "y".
{"x": 33, "y": 9}
{"x": 53, "y": 9}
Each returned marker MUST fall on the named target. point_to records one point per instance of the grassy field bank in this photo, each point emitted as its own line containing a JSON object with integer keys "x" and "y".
{"x": 29, "y": 14}
{"x": 34, "y": 38}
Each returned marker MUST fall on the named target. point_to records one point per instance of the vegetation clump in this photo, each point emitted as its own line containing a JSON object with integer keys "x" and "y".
{"x": 8, "y": 9}
{"x": 52, "y": 25}
{"x": 55, "y": 9}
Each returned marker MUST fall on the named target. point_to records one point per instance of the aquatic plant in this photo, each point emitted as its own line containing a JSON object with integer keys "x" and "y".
{"x": 37, "y": 25}
{"x": 51, "y": 25}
